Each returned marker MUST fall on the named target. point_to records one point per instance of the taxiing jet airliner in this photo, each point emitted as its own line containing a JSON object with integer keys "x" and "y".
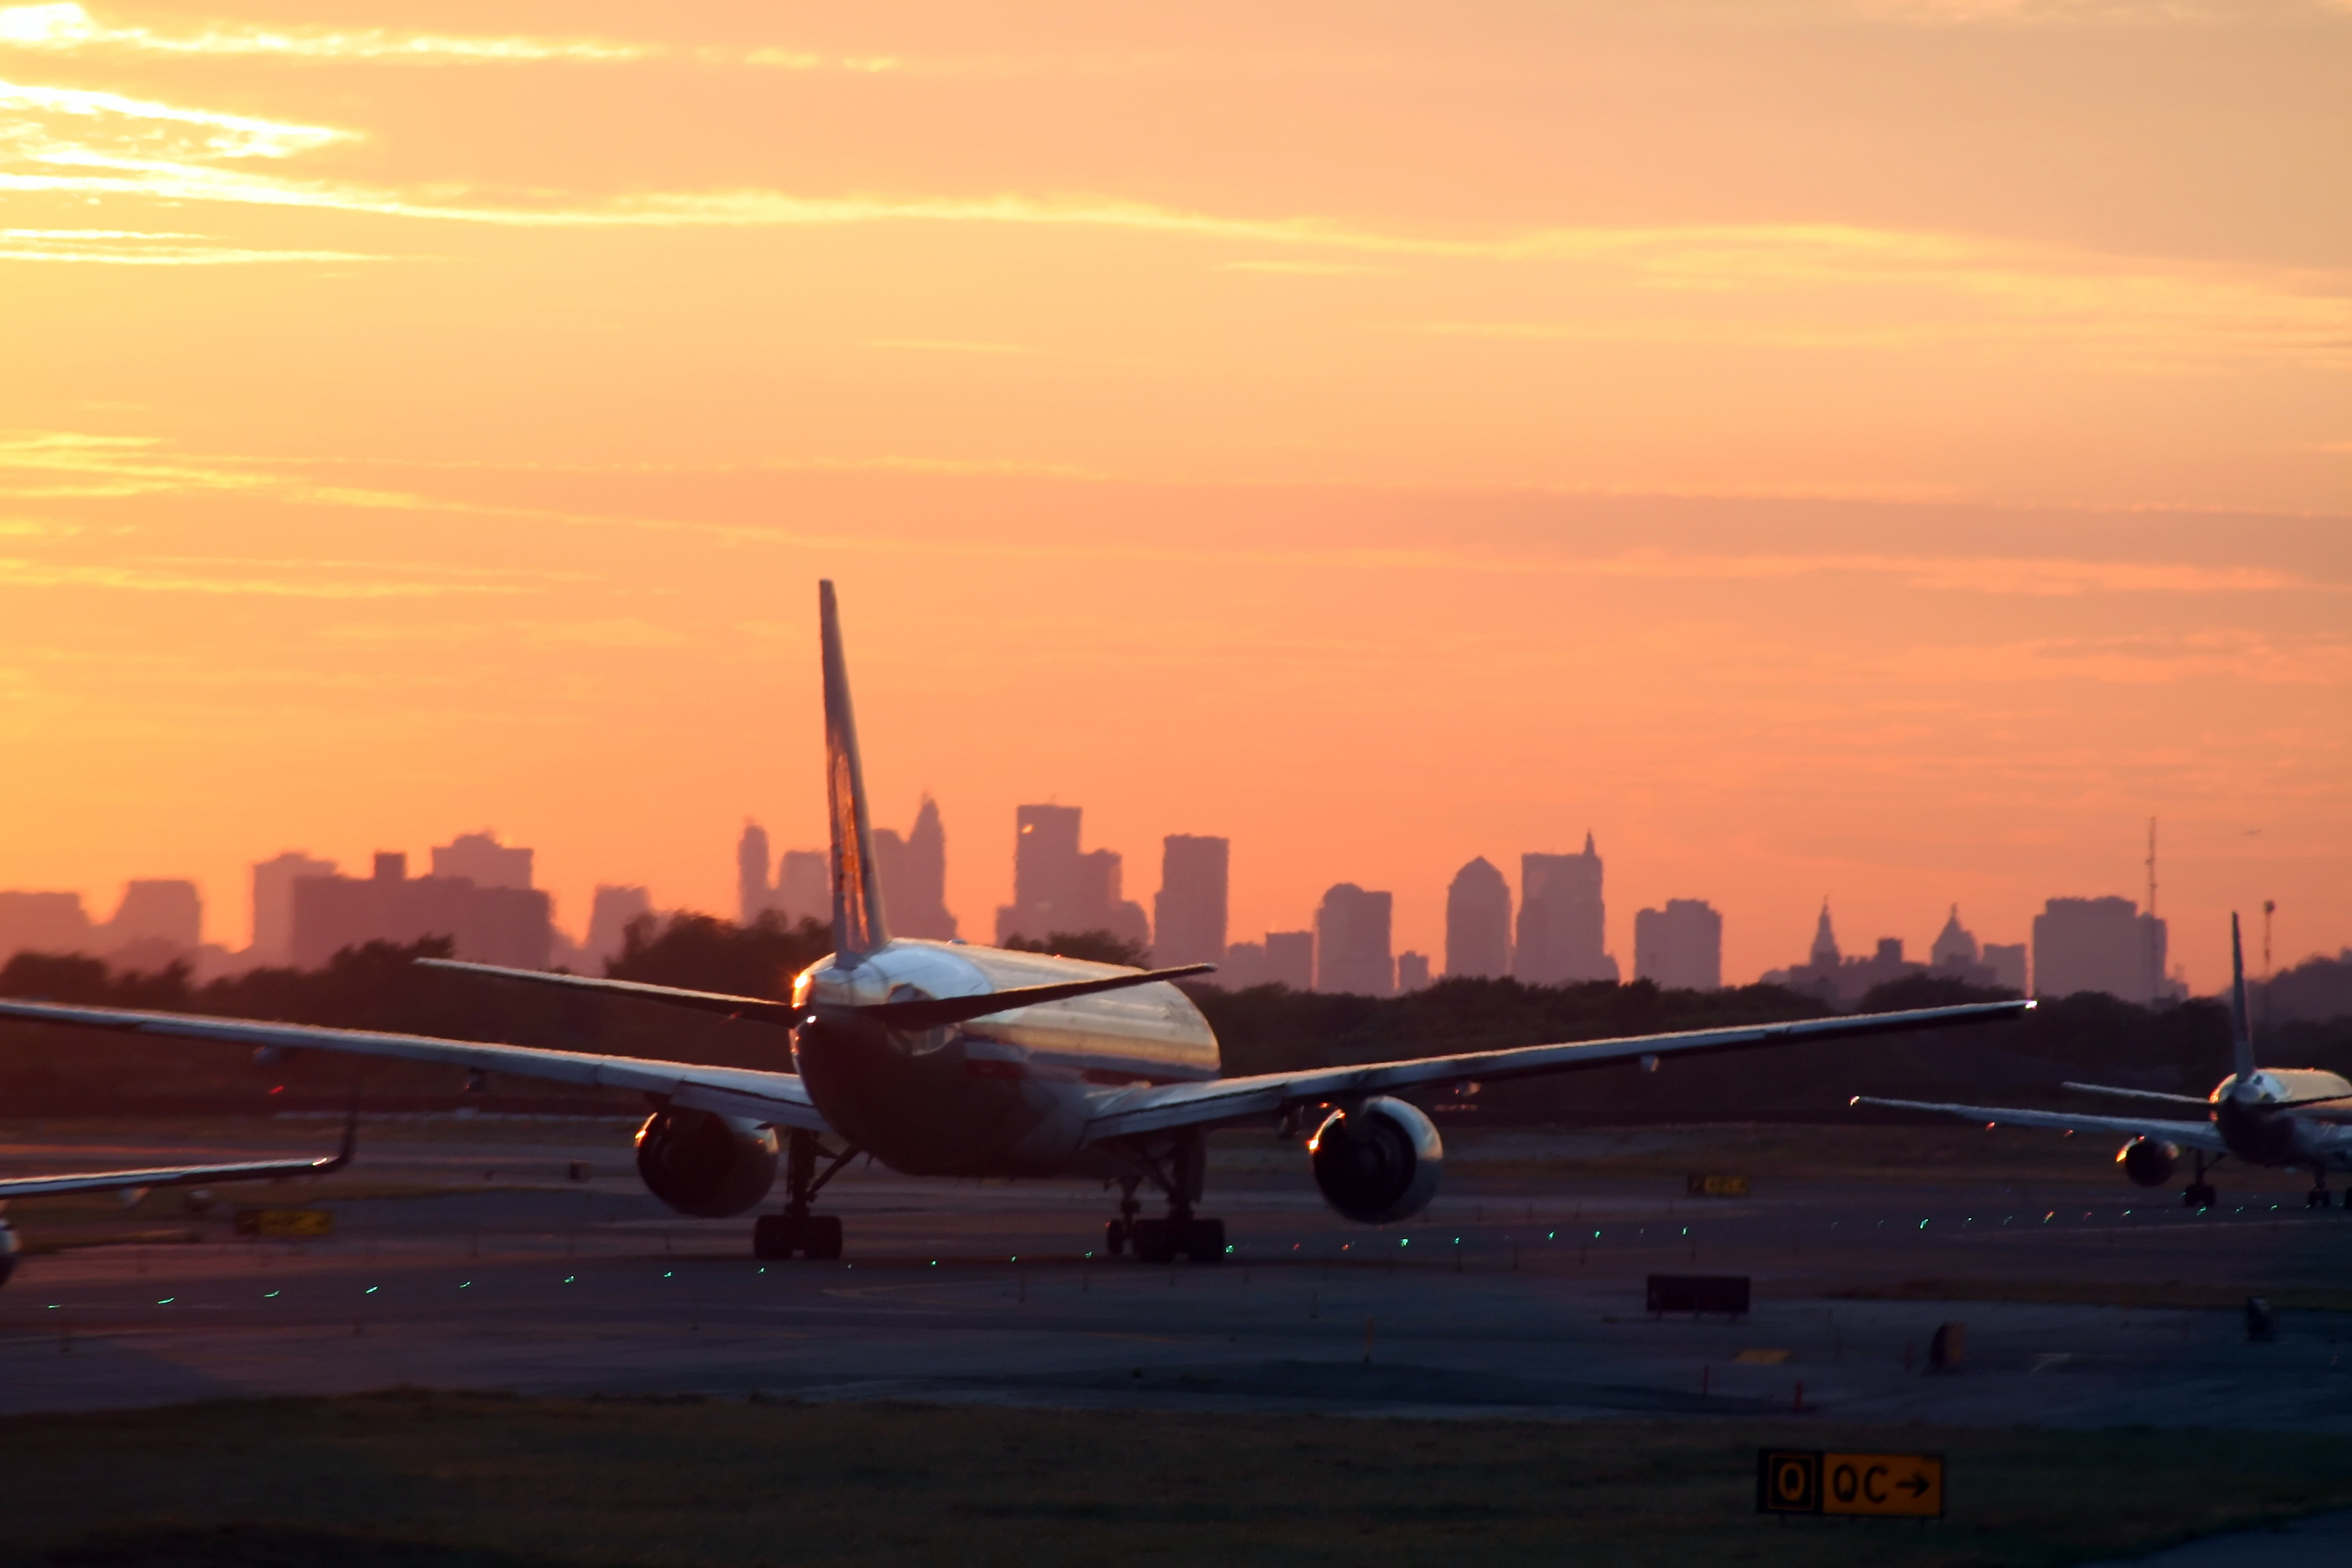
{"x": 132, "y": 1183}
{"x": 948, "y": 1060}
{"x": 2265, "y": 1115}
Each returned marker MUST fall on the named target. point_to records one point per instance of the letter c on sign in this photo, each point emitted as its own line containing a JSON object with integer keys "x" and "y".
{"x": 1869, "y": 1483}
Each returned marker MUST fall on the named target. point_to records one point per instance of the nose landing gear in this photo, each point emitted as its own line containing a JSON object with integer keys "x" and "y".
{"x": 776, "y": 1237}
{"x": 2200, "y": 1194}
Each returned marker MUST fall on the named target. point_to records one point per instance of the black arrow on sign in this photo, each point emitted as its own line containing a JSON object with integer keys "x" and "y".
{"x": 1918, "y": 1485}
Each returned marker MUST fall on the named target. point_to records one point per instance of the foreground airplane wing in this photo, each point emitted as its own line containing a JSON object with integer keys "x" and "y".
{"x": 179, "y": 1175}
{"x": 1124, "y": 1113}
{"x": 2188, "y": 1134}
{"x": 776, "y": 1099}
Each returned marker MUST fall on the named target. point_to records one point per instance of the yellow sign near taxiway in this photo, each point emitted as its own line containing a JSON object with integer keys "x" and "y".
{"x": 1889, "y": 1486}
{"x": 285, "y": 1225}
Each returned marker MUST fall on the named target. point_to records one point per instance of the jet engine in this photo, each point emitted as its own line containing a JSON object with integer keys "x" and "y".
{"x": 704, "y": 1164}
{"x": 2148, "y": 1162}
{"x": 1377, "y": 1163}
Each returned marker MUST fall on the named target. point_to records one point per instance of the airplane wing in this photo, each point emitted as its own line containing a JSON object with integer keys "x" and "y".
{"x": 776, "y": 1099}
{"x": 1124, "y": 1113}
{"x": 2188, "y": 1134}
{"x": 180, "y": 1175}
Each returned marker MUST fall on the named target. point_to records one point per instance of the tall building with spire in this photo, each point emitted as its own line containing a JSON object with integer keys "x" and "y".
{"x": 1478, "y": 921}
{"x": 913, "y": 872}
{"x": 1563, "y": 923}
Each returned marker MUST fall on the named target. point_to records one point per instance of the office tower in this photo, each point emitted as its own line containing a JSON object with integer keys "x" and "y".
{"x": 1478, "y": 921}
{"x": 2099, "y": 944}
{"x": 913, "y": 872}
{"x": 805, "y": 886}
{"x": 1351, "y": 942}
{"x": 1290, "y": 958}
{"x": 164, "y": 916}
{"x": 1188, "y": 914}
{"x": 1412, "y": 971}
{"x": 1059, "y": 889}
{"x": 1680, "y": 947}
{"x": 1955, "y": 946}
{"x": 1562, "y": 929}
{"x": 2007, "y": 963}
{"x": 482, "y": 860}
{"x": 43, "y": 922}
{"x": 1242, "y": 966}
{"x": 754, "y": 894}
{"x": 273, "y": 901}
{"x": 609, "y": 917}
{"x": 503, "y": 925}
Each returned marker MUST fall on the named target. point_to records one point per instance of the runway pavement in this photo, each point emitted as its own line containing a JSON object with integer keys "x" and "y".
{"x": 480, "y": 1266}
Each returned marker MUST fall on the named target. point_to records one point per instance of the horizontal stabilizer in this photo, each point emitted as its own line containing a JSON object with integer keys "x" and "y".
{"x": 932, "y": 1012}
{"x": 760, "y": 1007}
{"x": 2134, "y": 1093}
{"x": 923, "y": 1013}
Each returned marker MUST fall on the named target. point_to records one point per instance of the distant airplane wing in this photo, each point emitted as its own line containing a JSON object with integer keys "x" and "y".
{"x": 776, "y": 1099}
{"x": 179, "y": 1175}
{"x": 1126, "y": 1112}
{"x": 2188, "y": 1134}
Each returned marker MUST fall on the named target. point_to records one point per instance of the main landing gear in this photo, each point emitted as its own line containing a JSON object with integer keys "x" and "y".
{"x": 779, "y": 1236}
{"x": 2320, "y": 1197}
{"x": 1176, "y": 1169}
{"x": 2200, "y": 1194}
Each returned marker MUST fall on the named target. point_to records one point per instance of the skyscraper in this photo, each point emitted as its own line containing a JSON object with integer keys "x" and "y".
{"x": 482, "y": 860}
{"x": 1290, "y": 958}
{"x": 805, "y": 886}
{"x": 1562, "y": 924}
{"x": 160, "y": 914}
{"x": 1351, "y": 942}
{"x": 1412, "y": 971}
{"x": 915, "y": 877}
{"x": 273, "y": 902}
{"x": 1680, "y": 947}
{"x": 2099, "y": 944}
{"x": 1058, "y": 888}
{"x": 1478, "y": 921}
{"x": 1188, "y": 914}
{"x": 609, "y": 917}
{"x": 754, "y": 892}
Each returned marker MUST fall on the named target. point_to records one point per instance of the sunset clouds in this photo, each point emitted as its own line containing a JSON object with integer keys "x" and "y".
{"x": 1883, "y": 447}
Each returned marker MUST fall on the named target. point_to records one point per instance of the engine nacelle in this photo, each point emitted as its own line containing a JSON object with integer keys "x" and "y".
{"x": 2148, "y": 1162}
{"x": 704, "y": 1164}
{"x": 1378, "y": 1163}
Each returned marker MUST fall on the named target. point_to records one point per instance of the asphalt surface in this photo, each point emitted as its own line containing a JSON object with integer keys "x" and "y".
{"x": 478, "y": 1264}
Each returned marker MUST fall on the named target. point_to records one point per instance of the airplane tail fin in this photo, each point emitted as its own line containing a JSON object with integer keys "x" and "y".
{"x": 2242, "y": 1034}
{"x": 858, "y": 928}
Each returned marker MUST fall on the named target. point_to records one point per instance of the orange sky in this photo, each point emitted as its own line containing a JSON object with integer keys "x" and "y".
{"x": 1883, "y": 449}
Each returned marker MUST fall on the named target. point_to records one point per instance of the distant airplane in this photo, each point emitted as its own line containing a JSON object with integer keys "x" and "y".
{"x": 943, "y": 1058}
{"x": 139, "y": 1181}
{"x": 2265, "y": 1115}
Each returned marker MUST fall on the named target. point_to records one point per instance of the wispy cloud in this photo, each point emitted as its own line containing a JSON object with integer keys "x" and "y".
{"x": 71, "y": 30}
{"x": 143, "y": 578}
{"x": 146, "y": 248}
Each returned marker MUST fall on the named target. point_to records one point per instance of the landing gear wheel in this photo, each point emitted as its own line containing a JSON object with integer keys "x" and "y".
{"x": 1114, "y": 1237}
{"x": 821, "y": 1236}
{"x": 1204, "y": 1240}
{"x": 1155, "y": 1240}
{"x": 774, "y": 1237}
{"x": 2198, "y": 1195}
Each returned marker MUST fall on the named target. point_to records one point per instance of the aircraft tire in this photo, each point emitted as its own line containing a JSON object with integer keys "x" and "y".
{"x": 773, "y": 1236}
{"x": 1155, "y": 1240}
{"x": 820, "y": 1236}
{"x": 1204, "y": 1240}
{"x": 1114, "y": 1237}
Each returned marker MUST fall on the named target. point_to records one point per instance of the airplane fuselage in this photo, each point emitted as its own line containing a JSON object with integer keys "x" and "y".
{"x": 2259, "y": 1134}
{"x": 1002, "y": 1095}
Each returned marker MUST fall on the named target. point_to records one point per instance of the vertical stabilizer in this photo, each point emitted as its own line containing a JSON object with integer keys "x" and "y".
{"x": 2242, "y": 1034}
{"x": 857, "y": 925}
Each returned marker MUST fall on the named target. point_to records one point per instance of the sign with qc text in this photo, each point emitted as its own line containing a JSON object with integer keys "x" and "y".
{"x": 286, "y": 1225}
{"x": 1705, "y": 1186}
{"x": 1888, "y": 1485}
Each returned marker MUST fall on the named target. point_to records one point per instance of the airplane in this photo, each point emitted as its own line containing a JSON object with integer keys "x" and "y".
{"x": 134, "y": 1184}
{"x": 2264, "y": 1116}
{"x": 948, "y": 1058}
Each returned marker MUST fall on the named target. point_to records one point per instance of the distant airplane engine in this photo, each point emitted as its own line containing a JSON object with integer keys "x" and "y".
{"x": 706, "y": 1165}
{"x": 2148, "y": 1162}
{"x": 1378, "y": 1163}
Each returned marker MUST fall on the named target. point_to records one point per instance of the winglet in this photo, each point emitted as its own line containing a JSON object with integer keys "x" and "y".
{"x": 858, "y": 928}
{"x": 2242, "y": 1034}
